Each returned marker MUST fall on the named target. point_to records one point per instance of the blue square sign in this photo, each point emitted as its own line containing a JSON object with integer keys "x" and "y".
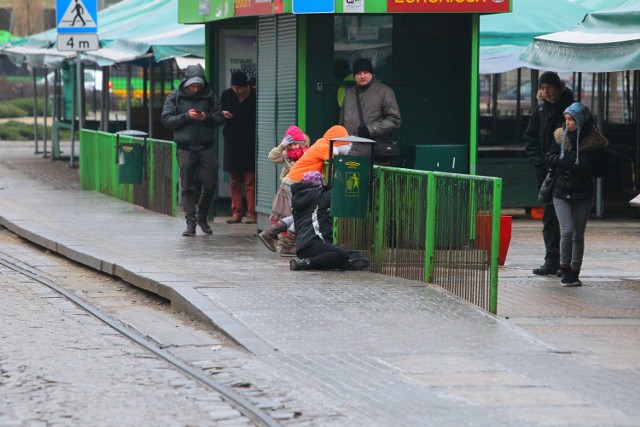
{"x": 314, "y": 6}
{"x": 77, "y": 16}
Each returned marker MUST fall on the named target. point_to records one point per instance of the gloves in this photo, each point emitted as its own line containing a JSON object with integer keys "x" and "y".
{"x": 287, "y": 140}
{"x": 363, "y": 131}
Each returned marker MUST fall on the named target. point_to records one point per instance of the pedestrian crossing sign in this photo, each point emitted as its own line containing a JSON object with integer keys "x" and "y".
{"x": 77, "y": 16}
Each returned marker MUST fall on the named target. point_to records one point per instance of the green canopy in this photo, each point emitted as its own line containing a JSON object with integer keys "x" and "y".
{"x": 503, "y": 37}
{"x": 605, "y": 41}
{"x": 128, "y": 30}
{"x": 6, "y": 37}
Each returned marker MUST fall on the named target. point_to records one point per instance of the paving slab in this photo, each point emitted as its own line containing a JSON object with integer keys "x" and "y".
{"x": 399, "y": 351}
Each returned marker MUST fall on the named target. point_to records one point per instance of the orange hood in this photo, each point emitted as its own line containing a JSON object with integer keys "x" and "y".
{"x": 318, "y": 153}
{"x": 336, "y": 132}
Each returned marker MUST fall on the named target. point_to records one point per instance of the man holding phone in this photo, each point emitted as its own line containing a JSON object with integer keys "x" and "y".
{"x": 193, "y": 112}
{"x": 239, "y": 110}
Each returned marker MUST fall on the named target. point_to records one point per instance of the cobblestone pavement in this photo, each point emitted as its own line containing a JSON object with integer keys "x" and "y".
{"x": 60, "y": 366}
{"x": 281, "y": 395}
{"x": 398, "y": 352}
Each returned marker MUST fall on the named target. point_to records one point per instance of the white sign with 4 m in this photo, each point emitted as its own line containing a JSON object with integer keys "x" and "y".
{"x": 78, "y": 42}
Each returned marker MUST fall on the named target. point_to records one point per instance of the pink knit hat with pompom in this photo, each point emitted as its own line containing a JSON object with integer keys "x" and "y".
{"x": 295, "y": 133}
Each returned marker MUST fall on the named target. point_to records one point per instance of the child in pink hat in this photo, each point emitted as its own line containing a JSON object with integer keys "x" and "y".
{"x": 294, "y": 144}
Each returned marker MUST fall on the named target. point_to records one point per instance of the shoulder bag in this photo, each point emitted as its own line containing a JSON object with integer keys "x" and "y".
{"x": 546, "y": 190}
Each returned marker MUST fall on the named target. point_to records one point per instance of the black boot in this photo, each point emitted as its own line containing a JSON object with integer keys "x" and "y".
{"x": 545, "y": 270}
{"x": 357, "y": 263}
{"x": 190, "y": 230}
{"x": 270, "y": 235}
{"x": 202, "y": 222}
{"x": 300, "y": 264}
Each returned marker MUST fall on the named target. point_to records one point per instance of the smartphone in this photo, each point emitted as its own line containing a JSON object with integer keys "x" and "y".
{"x": 198, "y": 111}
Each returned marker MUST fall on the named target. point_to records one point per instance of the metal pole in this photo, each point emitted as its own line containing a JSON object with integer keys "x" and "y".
{"x": 76, "y": 95}
{"x": 599, "y": 195}
{"x": 129, "y": 95}
{"x": 46, "y": 111}
{"x": 152, "y": 83}
{"x": 35, "y": 110}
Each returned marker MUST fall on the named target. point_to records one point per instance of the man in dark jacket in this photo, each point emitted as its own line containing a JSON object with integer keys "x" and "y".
{"x": 239, "y": 109}
{"x": 193, "y": 112}
{"x": 370, "y": 108}
{"x": 553, "y": 98}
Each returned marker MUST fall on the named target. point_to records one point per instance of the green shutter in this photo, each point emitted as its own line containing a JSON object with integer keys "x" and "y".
{"x": 276, "y": 99}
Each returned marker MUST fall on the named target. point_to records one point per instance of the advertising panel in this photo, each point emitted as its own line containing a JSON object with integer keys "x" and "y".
{"x": 449, "y": 6}
{"x": 313, "y": 6}
{"x": 253, "y": 7}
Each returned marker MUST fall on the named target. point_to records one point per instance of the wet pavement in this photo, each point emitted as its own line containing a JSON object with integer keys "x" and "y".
{"x": 398, "y": 352}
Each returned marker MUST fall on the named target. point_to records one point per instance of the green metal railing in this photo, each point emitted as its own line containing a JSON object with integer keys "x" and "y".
{"x": 434, "y": 227}
{"x": 100, "y": 171}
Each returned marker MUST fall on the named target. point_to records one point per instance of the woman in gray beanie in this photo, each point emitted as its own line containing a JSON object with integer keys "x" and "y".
{"x": 578, "y": 156}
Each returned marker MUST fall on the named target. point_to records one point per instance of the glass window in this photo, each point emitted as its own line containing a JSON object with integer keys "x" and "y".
{"x": 363, "y": 36}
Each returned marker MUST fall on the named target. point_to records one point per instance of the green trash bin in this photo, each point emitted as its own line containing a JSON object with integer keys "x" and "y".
{"x": 350, "y": 186}
{"x": 130, "y": 158}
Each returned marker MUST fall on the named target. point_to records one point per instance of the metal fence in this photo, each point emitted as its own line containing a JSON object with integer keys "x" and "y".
{"x": 100, "y": 170}
{"x": 435, "y": 227}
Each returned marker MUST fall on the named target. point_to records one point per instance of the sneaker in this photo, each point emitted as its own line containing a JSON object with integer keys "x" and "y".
{"x": 287, "y": 251}
{"x": 546, "y": 270}
{"x": 299, "y": 264}
{"x": 250, "y": 219}
{"x": 570, "y": 278}
{"x": 190, "y": 231}
{"x": 204, "y": 225}
{"x": 357, "y": 264}
{"x": 235, "y": 219}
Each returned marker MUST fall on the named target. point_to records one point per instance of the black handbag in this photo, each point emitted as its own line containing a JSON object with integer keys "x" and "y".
{"x": 385, "y": 149}
{"x": 545, "y": 195}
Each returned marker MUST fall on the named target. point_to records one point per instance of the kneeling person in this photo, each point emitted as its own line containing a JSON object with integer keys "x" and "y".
{"x": 310, "y": 205}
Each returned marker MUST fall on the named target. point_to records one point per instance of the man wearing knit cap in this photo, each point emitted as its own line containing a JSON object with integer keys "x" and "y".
{"x": 553, "y": 98}
{"x": 239, "y": 109}
{"x": 192, "y": 112}
{"x": 369, "y": 109}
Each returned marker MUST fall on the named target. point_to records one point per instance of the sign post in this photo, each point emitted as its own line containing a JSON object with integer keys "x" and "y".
{"x": 77, "y": 25}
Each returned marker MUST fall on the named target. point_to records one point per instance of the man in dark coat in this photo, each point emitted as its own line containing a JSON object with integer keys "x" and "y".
{"x": 380, "y": 112}
{"x": 554, "y": 97}
{"x": 239, "y": 109}
{"x": 192, "y": 112}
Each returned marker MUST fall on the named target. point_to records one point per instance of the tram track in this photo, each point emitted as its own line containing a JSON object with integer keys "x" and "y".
{"x": 257, "y": 416}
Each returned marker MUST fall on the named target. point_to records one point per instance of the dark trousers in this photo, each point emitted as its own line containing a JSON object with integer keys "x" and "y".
{"x": 550, "y": 225}
{"x": 324, "y": 256}
{"x": 198, "y": 178}
{"x": 551, "y": 235}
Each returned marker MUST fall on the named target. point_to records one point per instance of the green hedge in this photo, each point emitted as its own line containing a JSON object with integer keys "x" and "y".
{"x": 18, "y": 131}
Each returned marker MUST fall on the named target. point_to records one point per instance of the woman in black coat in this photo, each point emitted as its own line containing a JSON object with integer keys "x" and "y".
{"x": 578, "y": 156}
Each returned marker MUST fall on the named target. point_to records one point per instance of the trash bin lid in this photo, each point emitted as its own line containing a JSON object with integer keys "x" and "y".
{"x": 353, "y": 139}
{"x": 131, "y": 132}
